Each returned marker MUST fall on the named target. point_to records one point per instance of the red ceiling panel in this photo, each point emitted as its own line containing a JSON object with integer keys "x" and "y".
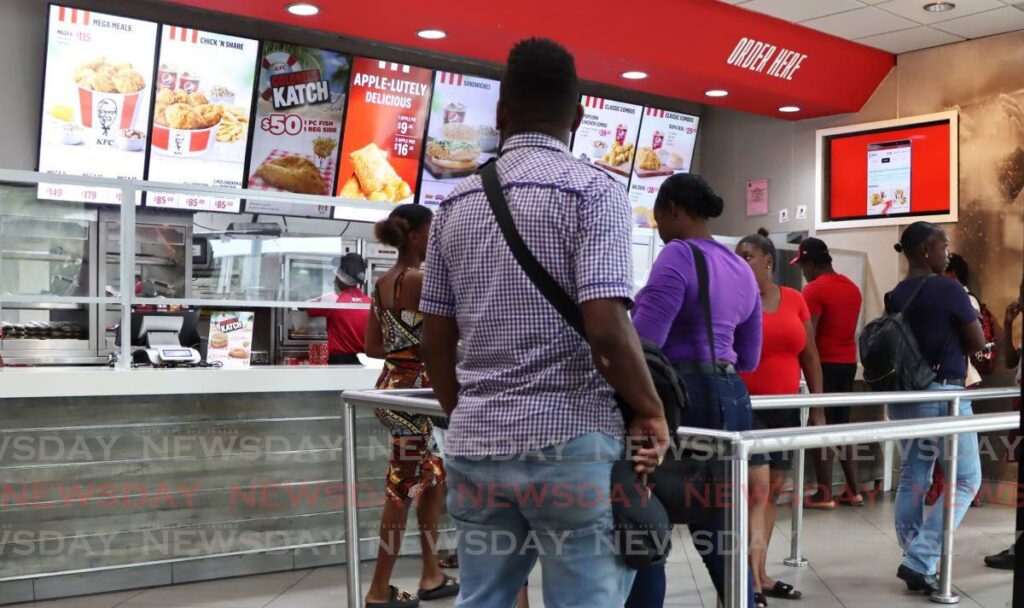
{"x": 684, "y": 45}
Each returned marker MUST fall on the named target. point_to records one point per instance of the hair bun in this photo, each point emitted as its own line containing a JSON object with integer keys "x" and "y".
{"x": 392, "y": 231}
{"x": 763, "y": 231}
{"x": 898, "y": 248}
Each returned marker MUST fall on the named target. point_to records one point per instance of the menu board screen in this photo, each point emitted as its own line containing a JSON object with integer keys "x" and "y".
{"x": 607, "y": 136}
{"x": 96, "y": 100}
{"x": 201, "y": 117}
{"x": 380, "y": 149}
{"x": 666, "y": 146}
{"x": 299, "y": 111}
{"x": 462, "y": 133}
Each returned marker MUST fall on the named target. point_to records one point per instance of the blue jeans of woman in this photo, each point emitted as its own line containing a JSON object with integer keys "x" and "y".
{"x": 920, "y": 535}
{"x": 716, "y": 402}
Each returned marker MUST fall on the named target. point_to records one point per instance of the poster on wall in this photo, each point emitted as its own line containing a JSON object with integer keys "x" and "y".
{"x": 462, "y": 134}
{"x": 96, "y": 101}
{"x": 231, "y": 338}
{"x": 666, "y": 145}
{"x": 300, "y": 106}
{"x": 607, "y": 136}
{"x": 201, "y": 117}
{"x": 384, "y": 126}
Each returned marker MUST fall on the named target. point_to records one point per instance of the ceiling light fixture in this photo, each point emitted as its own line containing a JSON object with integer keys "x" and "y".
{"x": 634, "y": 75}
{"x": 789, "y": 109}
{"x": 432, "y": 34}
{"x": 716, "y": 93}
{"x": 303, "y": 9}
{"x": 939, "y": 7}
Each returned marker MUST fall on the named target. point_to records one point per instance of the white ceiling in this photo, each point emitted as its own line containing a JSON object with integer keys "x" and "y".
{"x": 896, "y": 26}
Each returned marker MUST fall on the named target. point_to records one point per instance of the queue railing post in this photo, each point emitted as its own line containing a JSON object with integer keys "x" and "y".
{"x": 737, "y": 563}
{"x": 352, "y": 569}
{"x": 796, "y": 556}
{"x": 945, "y": 594}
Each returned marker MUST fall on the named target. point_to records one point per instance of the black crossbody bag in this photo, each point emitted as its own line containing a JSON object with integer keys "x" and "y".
{"x": 674, "y": 482}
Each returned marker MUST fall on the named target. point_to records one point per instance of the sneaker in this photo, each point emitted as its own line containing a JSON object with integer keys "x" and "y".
{"x": 1004, "y": 560}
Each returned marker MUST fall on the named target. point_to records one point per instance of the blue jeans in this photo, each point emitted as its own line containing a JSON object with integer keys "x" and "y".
{"x": 716, "y": 402}
{"x": 921, "y": 536}
{"x": 552, "y": 505}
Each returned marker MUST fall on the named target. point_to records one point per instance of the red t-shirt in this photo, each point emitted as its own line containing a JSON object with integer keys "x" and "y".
{"x": 836, "y": 300}
{"x": 784, "y": 338}
{"x": 346, "y": 328}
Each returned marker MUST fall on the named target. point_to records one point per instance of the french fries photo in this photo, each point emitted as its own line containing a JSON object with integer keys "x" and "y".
{"x": 233, "y": 126}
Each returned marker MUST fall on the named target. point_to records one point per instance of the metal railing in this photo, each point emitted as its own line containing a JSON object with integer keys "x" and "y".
{"x": 737, "y": 447}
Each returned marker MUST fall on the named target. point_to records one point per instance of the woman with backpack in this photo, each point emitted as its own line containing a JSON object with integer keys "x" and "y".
{"x": 669, "y": 313}
{"x": 947, "y": 331}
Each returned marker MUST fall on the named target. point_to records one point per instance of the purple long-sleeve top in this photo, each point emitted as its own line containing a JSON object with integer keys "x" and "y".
{"x": 668, "y": 310}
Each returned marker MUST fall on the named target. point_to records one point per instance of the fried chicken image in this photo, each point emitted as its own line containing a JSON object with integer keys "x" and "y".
{"x": 207, "y": 114}
{"x": 294, "y": 174}
{"x": 83, "y": 74}
{"x": 181, "y": 116}
{"x": 197, "y": 99}
{"x": 128, "y": 81}
{"x": 102, "y": 83}
{"x": 167, "y": 96}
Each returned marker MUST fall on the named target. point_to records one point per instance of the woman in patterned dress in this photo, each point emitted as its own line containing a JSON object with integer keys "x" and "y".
{"x": 415, "y": 470}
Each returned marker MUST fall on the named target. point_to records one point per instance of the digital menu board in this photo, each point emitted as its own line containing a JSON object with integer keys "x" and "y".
{"x": 461, "y": 135}
{"x": 96, "y": 101}
{"x": 666, "y": 145}
{"x": 300, "y": 106}
{"x": 201, "y": 116}
{"x": 607, "y": 136}
{"x": 384, "y": 125}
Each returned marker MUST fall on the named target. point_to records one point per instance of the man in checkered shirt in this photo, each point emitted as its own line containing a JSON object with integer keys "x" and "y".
{"x": 534, "y": 426}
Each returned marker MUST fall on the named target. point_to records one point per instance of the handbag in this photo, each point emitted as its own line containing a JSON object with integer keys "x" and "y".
{"x": 642, "y": 527}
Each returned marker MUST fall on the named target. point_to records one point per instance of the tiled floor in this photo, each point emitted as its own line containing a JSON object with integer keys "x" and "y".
{"x": 853, "y": 558}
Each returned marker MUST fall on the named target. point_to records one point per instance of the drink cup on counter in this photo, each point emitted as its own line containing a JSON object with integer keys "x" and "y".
{"x": 318, "y": 353}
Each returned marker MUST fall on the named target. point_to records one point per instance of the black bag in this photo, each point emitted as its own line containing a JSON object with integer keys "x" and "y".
{"x": 642, "y": 527}
{"x": 890, "y": 354}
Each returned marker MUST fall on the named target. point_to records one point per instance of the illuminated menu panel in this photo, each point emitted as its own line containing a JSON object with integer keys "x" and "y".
{"x": 96, "y": 101}
{"x": 666, "y": 145}
{"x": 607, "y": 136}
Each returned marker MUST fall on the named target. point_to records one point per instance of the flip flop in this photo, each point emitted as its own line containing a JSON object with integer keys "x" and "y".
{"x": 451, "y": 562}
{"x": 850, "y": 500}
{"x": 784, "y": 591}
{"x": 399, "y": 599}
{"x": 825, "y": 505}
{"x": 760, "y": 601}
{"x": 449, "y": 587}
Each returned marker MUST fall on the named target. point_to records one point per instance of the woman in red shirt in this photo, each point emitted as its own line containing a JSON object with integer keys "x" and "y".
{"x": 346, "y": 327}
{"x": 787, "y": 348}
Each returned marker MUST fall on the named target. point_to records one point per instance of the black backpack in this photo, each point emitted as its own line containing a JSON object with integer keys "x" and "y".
{"x": 890, "y": 354}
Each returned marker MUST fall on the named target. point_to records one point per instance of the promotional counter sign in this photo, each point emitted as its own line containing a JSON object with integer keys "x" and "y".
{"x": 607, "y": 136}
{"x": 380, "y": 150}
{"x": 462, "y": 133}
{"x": 299, "y": 109}
{"x": 665, "y": 148}
{"x": 201, "y": 117}
{"x": 96, "y": 101}
{"x": 231, "y": 338}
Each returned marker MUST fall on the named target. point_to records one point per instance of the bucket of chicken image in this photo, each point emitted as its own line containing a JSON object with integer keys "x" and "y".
{"x": 184, "y": 142}
{"x": 109, "y": 95}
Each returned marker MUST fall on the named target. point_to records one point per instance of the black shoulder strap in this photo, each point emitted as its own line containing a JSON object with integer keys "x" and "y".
{"x": 704, "y": 293}
{"x": 540, "y": 277}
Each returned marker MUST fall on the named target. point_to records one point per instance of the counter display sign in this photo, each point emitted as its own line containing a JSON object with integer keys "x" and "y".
{"x": 201, "y": 117}
{"x": 299, "y": 111}
{"x": 666, "y": 146}
{"x": 607, "y": 136}
{"x": 387, "y": 112}
{"x": 462, "y": 133}
{"x": 96, "y": 101}
{"x": 231, "y": 338}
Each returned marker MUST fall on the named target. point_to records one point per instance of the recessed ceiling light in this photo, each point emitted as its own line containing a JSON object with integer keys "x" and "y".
{"x": 432, "y": 34}
{"x": 634, "y": 75}
{"x": 303, "y": 9}
{"x": 939, "y": 7}
{"x": 789, "y": 109}
{"x": 716, "y": 93}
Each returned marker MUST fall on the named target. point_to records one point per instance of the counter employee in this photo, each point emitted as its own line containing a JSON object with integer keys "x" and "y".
{"x": 346, "y": 328}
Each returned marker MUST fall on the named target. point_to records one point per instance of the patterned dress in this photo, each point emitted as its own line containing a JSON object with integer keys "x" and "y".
{"x": 414, "y": 465}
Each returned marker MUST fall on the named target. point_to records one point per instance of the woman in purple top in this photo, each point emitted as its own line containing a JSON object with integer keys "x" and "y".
{"x": 668, "y": 312}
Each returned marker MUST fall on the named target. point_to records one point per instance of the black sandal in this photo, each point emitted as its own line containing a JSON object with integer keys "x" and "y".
{"x": 784, "y": 591}
{"x": 760, "y": 601}
{"x": 449, "y": 587}
{"x": 399, "y": 599}
{"x": 450, "y": 563}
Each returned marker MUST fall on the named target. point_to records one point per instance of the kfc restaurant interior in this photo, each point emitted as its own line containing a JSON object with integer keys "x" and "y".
{"x": 261, "y": 140}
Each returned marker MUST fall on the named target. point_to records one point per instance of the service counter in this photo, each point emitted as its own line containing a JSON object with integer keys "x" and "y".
{"x": 115, "y": 479}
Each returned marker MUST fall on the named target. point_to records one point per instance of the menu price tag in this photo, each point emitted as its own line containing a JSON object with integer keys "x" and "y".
{"x": 665, "y": 147}
{"x": 85, "y": 194}
{"x": 193, "y": 203}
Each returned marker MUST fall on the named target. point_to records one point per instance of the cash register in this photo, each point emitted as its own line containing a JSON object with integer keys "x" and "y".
{"x": 164, "y": 339}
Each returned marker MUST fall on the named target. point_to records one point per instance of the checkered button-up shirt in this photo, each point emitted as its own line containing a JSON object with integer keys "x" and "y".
{"x": 527, "y": 378}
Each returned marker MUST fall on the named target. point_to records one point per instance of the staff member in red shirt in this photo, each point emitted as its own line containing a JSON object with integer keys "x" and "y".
{"x": 834, "y": 302}
{"x": 787, "y": 349}
{"x": 346, "y": 327}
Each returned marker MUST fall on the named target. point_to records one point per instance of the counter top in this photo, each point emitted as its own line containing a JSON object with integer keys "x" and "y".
{"x": 24, "y": 382}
